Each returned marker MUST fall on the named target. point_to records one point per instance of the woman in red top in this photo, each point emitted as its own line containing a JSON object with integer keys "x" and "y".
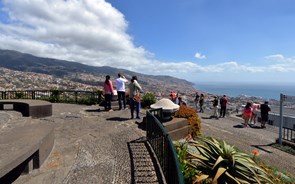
{"x": 247, "y": 114}
{"x": 108, "y": 91}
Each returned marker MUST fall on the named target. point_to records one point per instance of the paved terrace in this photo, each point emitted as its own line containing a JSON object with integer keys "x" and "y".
{"x": 103, "y": 147}
{"x": 90, "y": 147}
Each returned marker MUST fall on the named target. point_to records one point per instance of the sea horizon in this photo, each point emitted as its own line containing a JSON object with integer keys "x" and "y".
{"x": 264, "y": 91}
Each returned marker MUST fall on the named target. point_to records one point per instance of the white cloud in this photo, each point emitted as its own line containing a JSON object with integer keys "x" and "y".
{"x": 199, "y": 55}
{"x": 95, "y": 33}
{"x": 87, "y": 31}
{"x": 276, "y": 57}
{"x": 283, "y": 64}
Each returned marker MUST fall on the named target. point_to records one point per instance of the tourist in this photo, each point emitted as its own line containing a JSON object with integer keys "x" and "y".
{"x": 201, "y": 103}
{"x": 247, "y": 113}
{"x": 215, "y": 106}
{"x": 181, "y": 102}
{"x": 134, "y": 95}
{"x": 173, "y": 96}
{"x": 197, "y": 98}
{"x": 223, "y": 102}
{"x": 255, "y": 108}
{"x": 264, "y": 109}
{"x": 108, "y": 92}
{"x": 120, "y": 83}
{"x": 176, "y": 99}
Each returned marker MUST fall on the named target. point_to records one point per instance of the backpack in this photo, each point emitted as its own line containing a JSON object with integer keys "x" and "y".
{"x": 221, "y": 101}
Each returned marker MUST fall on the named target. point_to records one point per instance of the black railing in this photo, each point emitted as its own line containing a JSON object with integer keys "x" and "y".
{"x": 63, "y": 96}
{"x": 163, "y": 147}
{"x": 288, "y": 134}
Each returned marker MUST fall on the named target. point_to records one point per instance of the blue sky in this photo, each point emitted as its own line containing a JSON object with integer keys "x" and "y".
{"x": 198, "y": 40}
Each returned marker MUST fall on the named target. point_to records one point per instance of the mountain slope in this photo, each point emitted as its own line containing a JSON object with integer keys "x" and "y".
{"x": 86, "y": 74}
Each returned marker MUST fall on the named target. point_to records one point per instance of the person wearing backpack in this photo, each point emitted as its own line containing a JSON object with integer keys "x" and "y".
{"x": 134, "y": 95}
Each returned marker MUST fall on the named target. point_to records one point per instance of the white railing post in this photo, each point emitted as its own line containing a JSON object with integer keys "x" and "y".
{"x": 281, "y": 118}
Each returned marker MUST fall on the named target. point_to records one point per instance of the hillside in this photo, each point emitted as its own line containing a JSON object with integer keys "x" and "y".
{"x": 65, "y": 72}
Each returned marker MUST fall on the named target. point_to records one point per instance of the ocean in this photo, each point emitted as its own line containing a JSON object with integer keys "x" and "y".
{"x": 265, "y": 91}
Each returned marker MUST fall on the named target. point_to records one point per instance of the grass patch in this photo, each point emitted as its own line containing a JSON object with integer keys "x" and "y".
{"x": 285, "y": 148}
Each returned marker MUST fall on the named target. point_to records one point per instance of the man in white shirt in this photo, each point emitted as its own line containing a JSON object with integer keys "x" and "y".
{"x": 120, "y": 83}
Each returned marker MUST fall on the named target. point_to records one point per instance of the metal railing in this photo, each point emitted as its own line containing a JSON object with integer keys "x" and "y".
{"x": 163, "y": 147}
{"x": 63, "y": 96}
{"x": 288, "y": 134}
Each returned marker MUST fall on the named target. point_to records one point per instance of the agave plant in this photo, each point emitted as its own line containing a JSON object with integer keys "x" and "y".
{"x": 222, "y": 163}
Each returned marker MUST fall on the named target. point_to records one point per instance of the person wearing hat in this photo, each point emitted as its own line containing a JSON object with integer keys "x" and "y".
{"x": 264, "y": 109}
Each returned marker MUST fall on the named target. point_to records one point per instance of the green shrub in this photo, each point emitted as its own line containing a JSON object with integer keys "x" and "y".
{"x": 19, "y": 95}
{"x": 148, "y": 99}
{"x": 187, "y": 171}
{"x": 54, "y": 97}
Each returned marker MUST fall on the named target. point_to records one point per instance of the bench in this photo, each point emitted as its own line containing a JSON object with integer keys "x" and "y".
{"x": 33, "y": 108}
{"x": 23, "y": 149}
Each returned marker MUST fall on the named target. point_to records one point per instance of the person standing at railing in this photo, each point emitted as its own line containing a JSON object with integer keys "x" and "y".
{"x": 120, "y": 84}
{"x": 201, "y": 103}
{"x": 264, "y": 110}
{"x": 134, "y": 95}
{"x": 108, "y": 92}
{"x": 196, "y": 100}
{"x": 215, "y": 109}
{"x": 255, "y": 108}
{"x": 247, "y": 113}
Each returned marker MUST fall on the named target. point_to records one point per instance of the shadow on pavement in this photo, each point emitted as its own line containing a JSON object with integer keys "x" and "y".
{"x": 260, "y": 147}
{"x": 117, "y": 119}
{"x": 148, "y": 171}
{"x": 141, "y": 125}
{"x": 239, "y": 126}
{"x": 93, "y": 110}
{"x": 209, "y": 117}
{"x": 255, "y": 126}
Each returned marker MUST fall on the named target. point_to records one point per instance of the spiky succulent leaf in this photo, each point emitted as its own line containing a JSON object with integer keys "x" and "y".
{"x": 219, "y": 172}
{"x": 220, "y": 159}
{"x": 201, "y": 178}
{"x": 222, "y": 162}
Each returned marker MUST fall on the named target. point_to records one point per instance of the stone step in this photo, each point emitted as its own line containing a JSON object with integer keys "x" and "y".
{"x": 175, "y": 123}
{"x": 180, "y": 133}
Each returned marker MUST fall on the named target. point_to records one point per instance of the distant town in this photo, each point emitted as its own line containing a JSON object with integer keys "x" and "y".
{"x": 12, "y": 80}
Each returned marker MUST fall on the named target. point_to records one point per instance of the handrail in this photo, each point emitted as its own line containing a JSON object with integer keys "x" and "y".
{"x": 163, "y": 147}
{"x": 288, "y": 134}
{"x": 68, "y": 96}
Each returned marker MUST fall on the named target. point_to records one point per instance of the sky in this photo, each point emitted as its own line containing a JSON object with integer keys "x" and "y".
{"x": 202, "y": 41}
